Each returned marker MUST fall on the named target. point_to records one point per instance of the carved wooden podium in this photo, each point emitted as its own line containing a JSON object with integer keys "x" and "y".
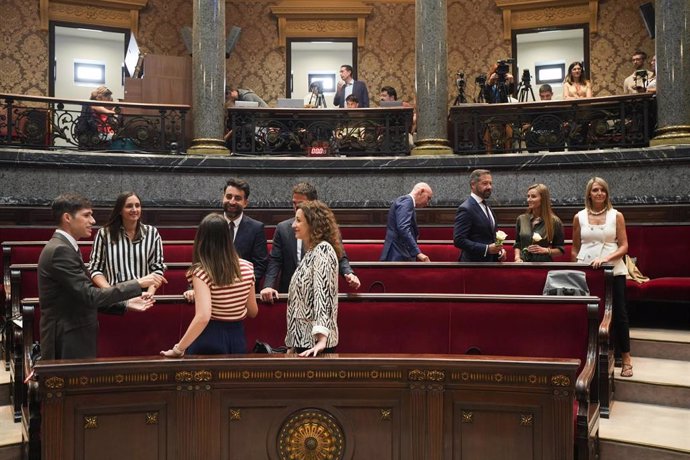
{"x": 354, "y": 407}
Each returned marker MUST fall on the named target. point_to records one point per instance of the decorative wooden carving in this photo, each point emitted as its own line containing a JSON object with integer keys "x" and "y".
{"x": 123, "y": 14}
{"x": 315, "y": 18}
{"x": 531, "y": 14}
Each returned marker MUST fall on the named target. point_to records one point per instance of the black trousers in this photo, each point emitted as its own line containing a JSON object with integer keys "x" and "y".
{"x": 621, "y": 324}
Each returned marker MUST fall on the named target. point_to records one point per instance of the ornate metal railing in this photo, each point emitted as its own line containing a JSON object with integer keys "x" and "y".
{"x": 46, "y": 122}
{"x": 350, "y": 132}
{"x": 603, "y": 122}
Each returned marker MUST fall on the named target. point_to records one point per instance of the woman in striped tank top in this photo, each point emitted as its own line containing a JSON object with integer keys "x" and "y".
{"x": 223, "y": 294}
{"x": 125, "y": 248}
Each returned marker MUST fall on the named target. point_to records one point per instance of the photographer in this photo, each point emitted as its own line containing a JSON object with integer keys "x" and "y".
{"x": 637, "y": 82}
{"x": 501, "y": 84}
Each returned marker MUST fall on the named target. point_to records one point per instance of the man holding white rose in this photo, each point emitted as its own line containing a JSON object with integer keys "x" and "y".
{"x": 475, "y": 231}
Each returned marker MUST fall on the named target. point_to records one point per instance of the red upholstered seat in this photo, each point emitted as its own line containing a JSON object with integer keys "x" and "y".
{"x": 668, "y": 289}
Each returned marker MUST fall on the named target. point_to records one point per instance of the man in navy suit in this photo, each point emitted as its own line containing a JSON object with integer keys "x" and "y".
{"x": 248, "y": 233}
{"x": 287, "y": 251}
{"x": 349, "y": 86}
{"x": 475, "y": 224}
{"x": 402, "y": 231}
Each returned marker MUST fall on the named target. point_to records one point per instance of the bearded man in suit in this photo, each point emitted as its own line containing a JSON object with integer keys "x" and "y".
{"x": 475, "y": 224}
{"x": 287, "y": 251}
{"x": 69, "y": 301}
{"x": 248, "y": 234}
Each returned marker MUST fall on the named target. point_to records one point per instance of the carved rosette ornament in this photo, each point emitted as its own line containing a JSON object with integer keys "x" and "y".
{"x": 311, "y": 434}
{"x": 55, "y": 382}
{"x": 560, "y": 380}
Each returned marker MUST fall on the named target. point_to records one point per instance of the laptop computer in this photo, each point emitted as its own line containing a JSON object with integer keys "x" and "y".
{"x": 286, "y": 103}
{"x": 246, "y": 104}
{"x": 390, "y": 103}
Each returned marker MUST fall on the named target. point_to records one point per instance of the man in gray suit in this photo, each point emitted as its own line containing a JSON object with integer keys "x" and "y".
{"x": 286, "y": 251}
{"x": 69, "y": 301}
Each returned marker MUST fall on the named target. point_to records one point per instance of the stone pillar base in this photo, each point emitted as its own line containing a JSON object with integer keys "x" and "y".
{"x": 208, "y": 147}
{"x": 671, "y": 135}
{"x": 431, "y": 147}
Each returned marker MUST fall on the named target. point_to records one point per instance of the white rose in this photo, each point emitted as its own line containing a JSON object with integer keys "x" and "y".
{"x": 500, "y": 237}
{"x": 536, "y": 237}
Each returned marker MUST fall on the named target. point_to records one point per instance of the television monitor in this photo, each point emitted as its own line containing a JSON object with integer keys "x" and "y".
{"x": 390, "y": 103}
{"x": 132, "y": 57}
{"x": 285, "y": 103}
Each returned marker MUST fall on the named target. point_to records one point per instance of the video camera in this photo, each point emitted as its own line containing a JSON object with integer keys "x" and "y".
{"x": 460, "y": 80}
{"x": 641, "y": 78}
{"x": 481, "y": 79}
{"x": 503, "y": 68}
{"x": 526, "y": 78}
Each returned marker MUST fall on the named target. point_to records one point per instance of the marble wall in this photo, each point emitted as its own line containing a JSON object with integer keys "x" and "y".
{"x": 474, "y": 42}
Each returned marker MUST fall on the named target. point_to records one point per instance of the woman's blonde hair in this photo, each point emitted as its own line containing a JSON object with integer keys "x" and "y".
{"x": 588, "y": 192}
{"x": 215, "y": 252}
{"x": 322, "y": 224}
{"x": 101, "y": 92}
{"x": 547, "y": 214}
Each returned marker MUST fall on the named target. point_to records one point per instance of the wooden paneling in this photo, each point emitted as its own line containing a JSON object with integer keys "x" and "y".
{"x": 277, "y": 406}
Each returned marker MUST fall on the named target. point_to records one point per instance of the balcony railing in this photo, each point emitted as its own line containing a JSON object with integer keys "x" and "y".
{"x": 349, "y": 132}
{"x": 582, "y": 124}
{"x": 52, "y": 123}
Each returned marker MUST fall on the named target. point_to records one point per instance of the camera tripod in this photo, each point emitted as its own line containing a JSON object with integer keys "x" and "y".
{"x": 524, "y": 91}
{"x": 460, "y": 99}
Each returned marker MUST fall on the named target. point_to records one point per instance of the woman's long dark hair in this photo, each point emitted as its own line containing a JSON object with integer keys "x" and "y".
{"x": 114, "y": 222}
{"x": 215, "y": 252}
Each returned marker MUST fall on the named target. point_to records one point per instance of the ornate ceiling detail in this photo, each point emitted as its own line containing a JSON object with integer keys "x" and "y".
{"x": 531, "y": 14}
{"x": 314, "y": 19}
{"x": 123, "y": 14}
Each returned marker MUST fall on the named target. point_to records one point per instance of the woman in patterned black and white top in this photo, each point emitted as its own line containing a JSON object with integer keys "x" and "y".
{"x": 312, "y": 310}
{"x": 125, "y": 248}
{"x": 223, "y": 294}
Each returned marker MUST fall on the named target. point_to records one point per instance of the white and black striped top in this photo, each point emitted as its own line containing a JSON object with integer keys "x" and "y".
{"x": 127, "y": 260}
{"x": 313, "y": 299}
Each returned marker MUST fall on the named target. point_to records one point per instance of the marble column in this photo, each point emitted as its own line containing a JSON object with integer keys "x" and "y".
{"x": 673, "y": 72}
{"x": 431, "y": 56}
{"x": 208, "y": 77}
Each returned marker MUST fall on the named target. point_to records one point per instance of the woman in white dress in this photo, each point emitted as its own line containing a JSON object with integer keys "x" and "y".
{"x": 599, "y": 237}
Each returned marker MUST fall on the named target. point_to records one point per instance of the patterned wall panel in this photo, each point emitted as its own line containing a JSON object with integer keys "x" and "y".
{"x": 257, "y": 62}
{"x": 474, "y": 42}
{"x": 23, "y": 49}
{"x": 621, "y": 32}
{"x": 159, "y": 26}
{"x": 389, "y": 58}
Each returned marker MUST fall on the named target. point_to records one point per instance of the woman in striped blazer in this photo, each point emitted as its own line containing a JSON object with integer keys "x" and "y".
{"x": 124, "y": 248}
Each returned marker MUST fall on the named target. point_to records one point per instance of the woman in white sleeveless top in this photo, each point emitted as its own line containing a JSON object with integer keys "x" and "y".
{"x": 599, "y": 237}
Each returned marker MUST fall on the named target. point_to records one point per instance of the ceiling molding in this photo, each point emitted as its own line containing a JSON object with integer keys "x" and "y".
{"x": 314, "y": 19}
{"x": 532, "y": 14}
{"x": 122, "y": 14}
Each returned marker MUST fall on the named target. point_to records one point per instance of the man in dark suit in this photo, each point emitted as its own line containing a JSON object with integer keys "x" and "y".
{"x": 402, "y": 231}
{"x": 349, "y": 86}
{"x": 69, "y": 301}
{"x": 285, "y": 253}
{"x": 475, "y": 224}
{"x": 248, "y": 233}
